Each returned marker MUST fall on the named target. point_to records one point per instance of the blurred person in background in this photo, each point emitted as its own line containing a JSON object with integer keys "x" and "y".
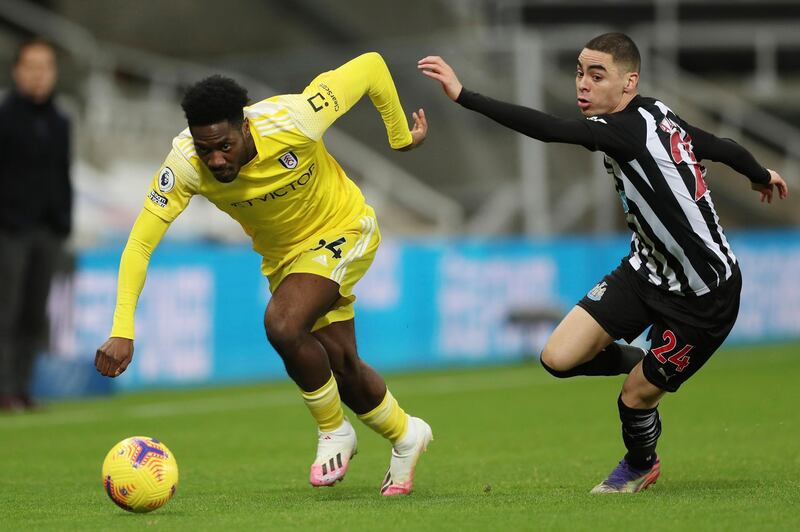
{"x": 266, "y": 166}
{"x": 681, "y": 276}
{"x": 35, "y": 213}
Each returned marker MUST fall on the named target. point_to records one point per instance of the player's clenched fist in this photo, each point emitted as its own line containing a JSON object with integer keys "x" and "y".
{"x": 434, "y": 67}
{"x": 114, "y": 356}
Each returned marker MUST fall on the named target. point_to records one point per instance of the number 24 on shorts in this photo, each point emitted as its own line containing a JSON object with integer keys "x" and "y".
{"x": 333, "y": 247}
{"x": 680, "y": 359}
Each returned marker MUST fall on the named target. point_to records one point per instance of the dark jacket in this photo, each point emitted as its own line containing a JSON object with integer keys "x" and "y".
{"x": 35, "y": 189}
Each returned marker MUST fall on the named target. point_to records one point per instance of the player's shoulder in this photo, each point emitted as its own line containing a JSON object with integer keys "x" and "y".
{"x": 269, "y": 107}
{"x": 183, "y": 144}
{"x": 609, "y": 123}
{"x": 621, "y": 132}
{"x": 275, "y": 115}
{"x": 637, "y": 113}
{"x": 182, "y": 159}
{"x": 653, "y": 107}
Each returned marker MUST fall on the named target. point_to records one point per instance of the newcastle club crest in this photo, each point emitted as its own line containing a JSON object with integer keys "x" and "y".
{"x": 596, "y": 293}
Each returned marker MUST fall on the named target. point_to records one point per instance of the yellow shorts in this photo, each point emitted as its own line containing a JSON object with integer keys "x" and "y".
{"x": 342, "y": 254}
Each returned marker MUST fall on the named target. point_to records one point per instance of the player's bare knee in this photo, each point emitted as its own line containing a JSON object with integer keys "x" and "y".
{"x": 554, "y": 362}
{"x": 281, "y": 331}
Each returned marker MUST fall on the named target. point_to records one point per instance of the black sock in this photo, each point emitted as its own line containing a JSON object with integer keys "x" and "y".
{"x": 640, "y": 431}
{"x": 616, "y": 359}
{"x": 628, "y": 357}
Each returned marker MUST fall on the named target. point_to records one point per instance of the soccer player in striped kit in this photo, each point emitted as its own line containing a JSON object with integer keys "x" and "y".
{"x": 265, "y": 165}
{"x": 681, "y": 276}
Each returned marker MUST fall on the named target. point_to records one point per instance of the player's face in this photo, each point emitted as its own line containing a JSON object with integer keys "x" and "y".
{"x": 224, "y": 148}
{"x": 602, "y": 86}
{"x": 35, "y": 73}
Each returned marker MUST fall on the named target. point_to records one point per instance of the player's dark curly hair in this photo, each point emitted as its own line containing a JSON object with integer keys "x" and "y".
{"x": 621, "y": 47}
{"x": 214, "y": 99}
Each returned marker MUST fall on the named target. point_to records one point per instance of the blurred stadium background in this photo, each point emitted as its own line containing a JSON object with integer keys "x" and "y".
{"x": 489, "y": 236}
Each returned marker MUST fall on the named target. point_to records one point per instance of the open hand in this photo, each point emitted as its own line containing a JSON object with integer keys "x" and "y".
{"x": 434, "y": 67}
{"x": 419, "y": 131}
{"x": 775, "y": 181}
{"x": 114, "y": 356}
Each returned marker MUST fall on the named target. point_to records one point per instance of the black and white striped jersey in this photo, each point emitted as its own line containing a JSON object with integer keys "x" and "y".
{"x": 677, "y": 241}
{"x": 654, "y": 157}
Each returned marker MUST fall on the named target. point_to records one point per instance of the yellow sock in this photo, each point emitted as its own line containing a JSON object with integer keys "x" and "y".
{"x": 387, "y": 419}
{"x": 326, "y": 406}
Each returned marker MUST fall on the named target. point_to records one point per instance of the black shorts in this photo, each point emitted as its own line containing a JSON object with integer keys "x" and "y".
{"x": 686, "y": 329}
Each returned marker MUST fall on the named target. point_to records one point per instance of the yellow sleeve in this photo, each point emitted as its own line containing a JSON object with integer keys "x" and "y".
{"x": 146, "y": 234}
{"x": 333, "y": 93}
{"x": 172, "y": 186}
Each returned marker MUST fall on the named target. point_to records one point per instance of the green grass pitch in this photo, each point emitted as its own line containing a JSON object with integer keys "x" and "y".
{"x": 514, "y": 449}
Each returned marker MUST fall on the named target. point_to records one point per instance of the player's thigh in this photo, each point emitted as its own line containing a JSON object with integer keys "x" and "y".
{"x": 576, "y": 339}
{"x": 343, "y": 255}
{"x": 298, "y": 302}
{"x": 678, "y": 351}
{"x": 611, "y": 310}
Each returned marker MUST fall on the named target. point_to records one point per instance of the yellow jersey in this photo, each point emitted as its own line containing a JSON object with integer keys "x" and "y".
{"x": 292, "y": 190}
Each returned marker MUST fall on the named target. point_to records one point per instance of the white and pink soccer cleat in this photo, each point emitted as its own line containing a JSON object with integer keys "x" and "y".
{"x": 405, "y": 453}
{"x": 334, "y": 451}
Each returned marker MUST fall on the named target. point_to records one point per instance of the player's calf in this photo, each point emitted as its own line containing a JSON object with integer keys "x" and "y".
{"x": 641, "y": 428}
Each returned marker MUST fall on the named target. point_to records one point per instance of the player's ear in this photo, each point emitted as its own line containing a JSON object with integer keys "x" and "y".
{"x": 246, "y": 129}
{"x": 632, "y": 82}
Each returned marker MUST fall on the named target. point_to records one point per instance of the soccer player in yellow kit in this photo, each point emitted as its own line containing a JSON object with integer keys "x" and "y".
{"x": 266, "y": 166}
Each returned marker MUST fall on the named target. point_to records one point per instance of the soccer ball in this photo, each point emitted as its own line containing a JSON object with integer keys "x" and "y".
{"x": 140, "y": 474}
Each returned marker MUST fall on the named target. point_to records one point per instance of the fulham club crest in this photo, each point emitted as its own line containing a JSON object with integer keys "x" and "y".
{"x": 288, "y": 160}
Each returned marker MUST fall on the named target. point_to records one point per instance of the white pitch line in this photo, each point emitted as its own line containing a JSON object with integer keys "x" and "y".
{"x": 270, "y": 399}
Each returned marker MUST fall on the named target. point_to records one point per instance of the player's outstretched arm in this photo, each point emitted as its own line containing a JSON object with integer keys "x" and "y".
{"x": 436, "y": 68}
{"x": 775, "y": 181}
{"x": 530, "y": 122}
{"x": 727, "y": 151}
{"x": 333, "y": 93}
{"x": 113, "y": 357}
